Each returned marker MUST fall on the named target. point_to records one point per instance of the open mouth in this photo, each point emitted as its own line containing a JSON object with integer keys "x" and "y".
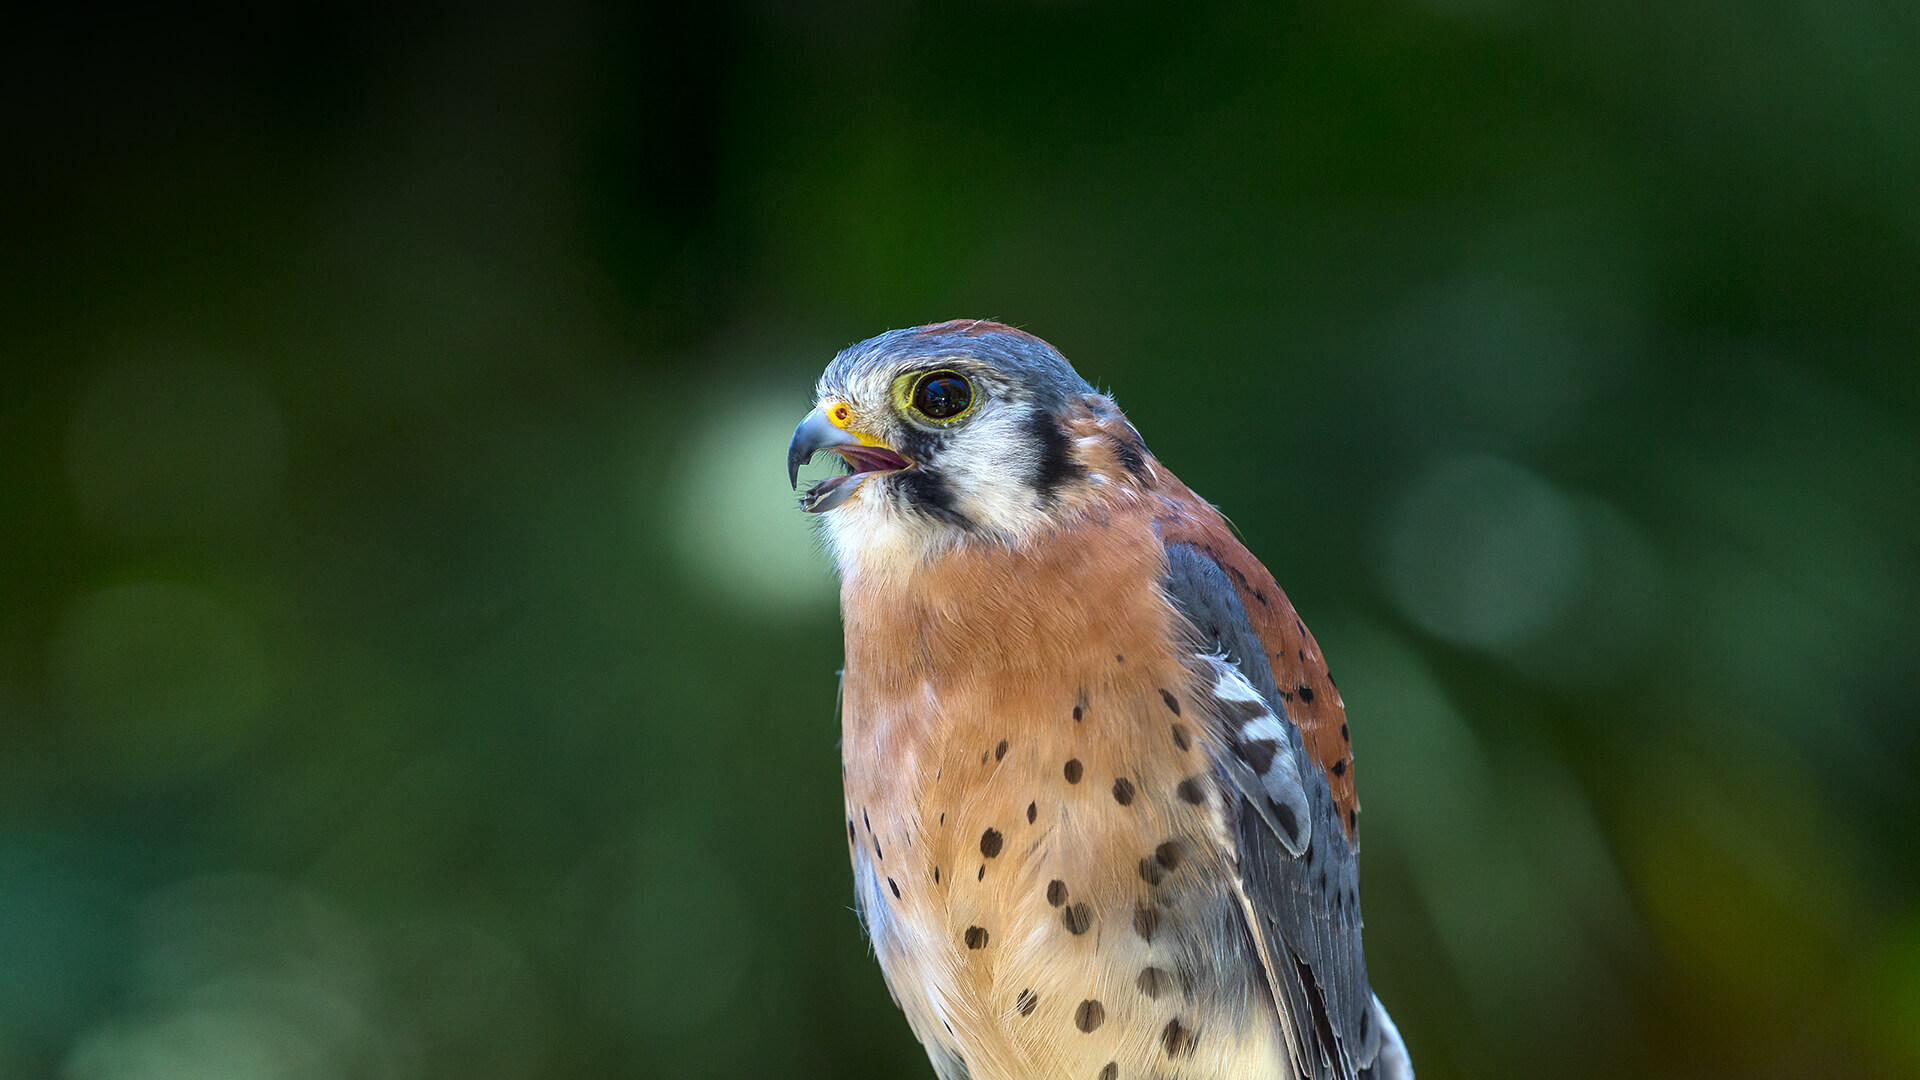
{"x": 862, "y": 462}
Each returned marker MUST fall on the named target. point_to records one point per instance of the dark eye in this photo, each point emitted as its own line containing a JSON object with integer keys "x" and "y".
{"x": 941, "y": 395}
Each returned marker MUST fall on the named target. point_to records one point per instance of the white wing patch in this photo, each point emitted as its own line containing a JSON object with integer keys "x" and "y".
{"x": 1268, "y": 748}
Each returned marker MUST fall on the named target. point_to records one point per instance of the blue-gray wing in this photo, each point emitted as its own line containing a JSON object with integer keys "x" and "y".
{"x": 1298, "y": 874}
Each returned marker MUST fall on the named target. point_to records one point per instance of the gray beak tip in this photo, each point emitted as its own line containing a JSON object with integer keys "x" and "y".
{"x": 799, "y": 452}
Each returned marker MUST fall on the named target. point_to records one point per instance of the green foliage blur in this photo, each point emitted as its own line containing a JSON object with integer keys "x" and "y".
{"x": 412, "y": 665}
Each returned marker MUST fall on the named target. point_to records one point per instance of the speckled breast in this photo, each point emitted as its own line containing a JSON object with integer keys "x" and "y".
{"x": 1036, "y": 834}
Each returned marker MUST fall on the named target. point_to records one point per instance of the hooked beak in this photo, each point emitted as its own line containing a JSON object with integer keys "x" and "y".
{"x": 818, "y": 432}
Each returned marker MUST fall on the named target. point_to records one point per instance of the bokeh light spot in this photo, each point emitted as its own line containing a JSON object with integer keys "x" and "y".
{"x": 160, "y": 678}
{"x": 203, "y": 930}
{"x": 243, "y": 977}
{"x": 1618, "y": 614}
{"x": 735, "y": 522}
{"x": 1481, "y": 552}
{"x": 195, "y": 1045}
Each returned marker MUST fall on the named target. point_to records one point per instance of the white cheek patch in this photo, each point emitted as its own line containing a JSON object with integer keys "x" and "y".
{"x": 989, "y": 465}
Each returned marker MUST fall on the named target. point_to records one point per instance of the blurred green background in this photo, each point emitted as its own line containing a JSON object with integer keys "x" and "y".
{"x": 412, "y": 666}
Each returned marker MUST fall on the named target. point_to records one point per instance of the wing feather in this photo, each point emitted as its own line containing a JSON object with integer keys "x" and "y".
{"x": 1299, "y": 879}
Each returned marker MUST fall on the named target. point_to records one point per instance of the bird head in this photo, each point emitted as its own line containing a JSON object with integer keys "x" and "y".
{"x": 951, "y": 432}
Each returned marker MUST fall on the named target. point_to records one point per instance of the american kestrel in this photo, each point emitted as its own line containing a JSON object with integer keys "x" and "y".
{"x": 1099, "y": 784}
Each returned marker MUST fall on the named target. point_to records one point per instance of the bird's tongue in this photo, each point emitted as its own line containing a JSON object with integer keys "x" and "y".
{"x": 871, "y": 458}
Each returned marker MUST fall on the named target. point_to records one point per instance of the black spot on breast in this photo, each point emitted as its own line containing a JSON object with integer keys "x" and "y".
{"x": 1353, "y": 818}
{"x": 1284, "y": 817}
{"x": 1146, "y": 921}
{"x": 1190, "y": 791}
{"x": 1340, "y": 767}
{"x": 1151, "y": 872}
{"x": 1259, "y": 754}
{"x": 1089, "y": 1016}
{"x": 981, "y": 875}
{"x": 1000, "y": 751}
{"x": 990, "y": 843}
{"x": 1111, "y": 1072}
{"x": 1177, "y": 1040}
{"x": 1056, "y": 892}
{"x": 1073, "y": 770}
{"x": 1153, "y": 982}
{"x": 877, "y": 853}
{"x": 1123, "y": 791}
{"x": 1119, "y": 658}
{"x": 1344, "y": 737}
{"x": 1077, "y": 918}
{"x": 1054, "y": 465}
{"x": 1182, "y": 738}
{"x": 1033, "y": 811}
{"x": 1168, "y": 854}
{"x": 1306, "y": 693}
{"x": 936, "y": 875}
{"x": 894, "y": 887}
{"x": 1026, "y": 1002}
{"x": 976, "y": 937}
{"x": 1076, "y": 712}
{"x": 1172, "y": 702}
{"x": 850, "y": 836}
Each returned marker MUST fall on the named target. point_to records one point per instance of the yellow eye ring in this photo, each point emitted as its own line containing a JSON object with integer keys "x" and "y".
{"x": 942, "y": 396}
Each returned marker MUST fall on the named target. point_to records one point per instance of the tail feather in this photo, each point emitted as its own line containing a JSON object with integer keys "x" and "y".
{"x": 1391, "y": 1063}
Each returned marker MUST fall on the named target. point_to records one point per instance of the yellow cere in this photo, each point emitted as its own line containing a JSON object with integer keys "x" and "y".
{"x": 840, "y": 415}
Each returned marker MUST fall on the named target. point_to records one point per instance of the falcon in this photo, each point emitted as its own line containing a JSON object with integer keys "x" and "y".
{"x": 1099, "y": 783}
